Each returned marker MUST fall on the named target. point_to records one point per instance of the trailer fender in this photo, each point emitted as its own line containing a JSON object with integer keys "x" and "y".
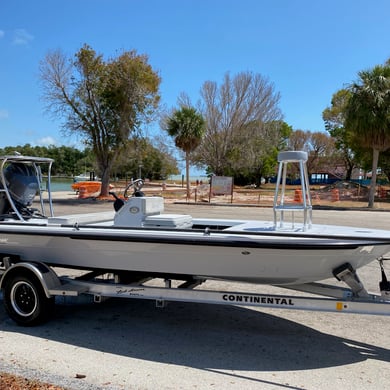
{"x": 47, "y": 277}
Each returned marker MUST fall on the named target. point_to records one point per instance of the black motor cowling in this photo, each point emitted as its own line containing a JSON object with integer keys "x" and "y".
{"x": 22, "y": 185}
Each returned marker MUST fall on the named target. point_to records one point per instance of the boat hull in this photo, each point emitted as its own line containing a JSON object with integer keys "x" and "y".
{"x": 139, "y": 237}
{"x": 259, "y": 258}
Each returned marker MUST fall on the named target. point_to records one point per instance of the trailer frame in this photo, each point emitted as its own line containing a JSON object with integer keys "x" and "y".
{"x": 29, "y": 290}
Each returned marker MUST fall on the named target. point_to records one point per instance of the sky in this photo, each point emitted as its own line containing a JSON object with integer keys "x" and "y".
{"x": 308, "y": 49}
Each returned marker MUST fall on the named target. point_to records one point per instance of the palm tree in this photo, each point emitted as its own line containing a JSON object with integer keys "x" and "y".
{"x": 187, "y": 126}
{"x": 368, "y": 115}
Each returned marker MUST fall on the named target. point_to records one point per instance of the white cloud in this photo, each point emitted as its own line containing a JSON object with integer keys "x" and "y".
{"x": 3, "y": 113}
{"x": 45, "y": 141}
{"x": 22, "y": 37}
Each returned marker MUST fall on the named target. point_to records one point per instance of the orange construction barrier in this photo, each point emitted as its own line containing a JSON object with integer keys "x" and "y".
{"x": 298, "y": 196}
{"x": 382, "y": 192}
{"x": 335, "y": 195}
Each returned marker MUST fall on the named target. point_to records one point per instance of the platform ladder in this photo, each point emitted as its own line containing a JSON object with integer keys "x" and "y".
{"x": 302, "y": 199}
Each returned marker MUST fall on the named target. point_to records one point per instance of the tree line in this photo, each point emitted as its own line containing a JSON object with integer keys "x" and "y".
{"x": 236, "y": 128}
{"x": 153, "y": 161}
{"x": 359, "y": 121}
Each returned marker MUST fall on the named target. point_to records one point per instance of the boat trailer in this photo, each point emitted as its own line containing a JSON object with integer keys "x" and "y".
{"x": 30, "y": 288}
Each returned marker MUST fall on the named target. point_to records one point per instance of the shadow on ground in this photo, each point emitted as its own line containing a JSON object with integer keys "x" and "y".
{"x": 198, "y": 335}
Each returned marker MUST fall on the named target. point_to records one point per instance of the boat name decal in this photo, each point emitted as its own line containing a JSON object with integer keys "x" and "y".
{"x": 258, "y": 299}
{"x": 3, "y": 240}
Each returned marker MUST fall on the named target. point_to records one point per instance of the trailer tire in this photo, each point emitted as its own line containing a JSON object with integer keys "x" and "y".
{"x": 25, "y": 300}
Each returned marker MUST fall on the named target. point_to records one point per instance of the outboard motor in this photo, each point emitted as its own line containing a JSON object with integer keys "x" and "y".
{"x": 22, "y": 185}
{"x": 4, "y": 203}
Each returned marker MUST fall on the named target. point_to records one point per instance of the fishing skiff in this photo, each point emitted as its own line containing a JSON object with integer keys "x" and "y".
{"x": 137, "y": 239}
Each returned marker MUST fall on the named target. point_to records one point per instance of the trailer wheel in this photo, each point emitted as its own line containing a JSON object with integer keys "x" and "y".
{"x": 25, "y": 300}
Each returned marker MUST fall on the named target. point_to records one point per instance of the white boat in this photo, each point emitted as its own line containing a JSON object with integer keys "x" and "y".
{"x": 138, "y": 236}
{"x": 86, "y": 177}
{"x": 137, "y": 239}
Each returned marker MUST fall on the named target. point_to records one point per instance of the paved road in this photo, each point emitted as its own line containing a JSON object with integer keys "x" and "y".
{"x": 124, "y": 344}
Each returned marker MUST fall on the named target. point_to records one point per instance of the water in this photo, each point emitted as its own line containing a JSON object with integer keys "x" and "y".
{"x": 193, "y": 178}
{"x": 60, "y": 184}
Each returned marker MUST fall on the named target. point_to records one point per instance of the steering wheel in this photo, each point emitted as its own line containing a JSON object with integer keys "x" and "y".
{"x": 137, "y": 186}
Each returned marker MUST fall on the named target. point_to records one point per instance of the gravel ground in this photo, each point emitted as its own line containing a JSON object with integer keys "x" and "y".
{"x": 125, "y": 344}
{"x": 14, "y": 382}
